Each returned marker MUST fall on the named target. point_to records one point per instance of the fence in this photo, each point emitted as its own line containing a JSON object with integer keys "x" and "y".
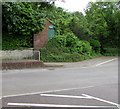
{"x": 19, "y": 55}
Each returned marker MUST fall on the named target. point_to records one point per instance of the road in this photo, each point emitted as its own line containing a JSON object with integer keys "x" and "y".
{"x": 88, "y": 86}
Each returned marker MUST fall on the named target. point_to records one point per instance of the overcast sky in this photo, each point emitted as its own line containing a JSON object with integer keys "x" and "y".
{"x": 73, "y": 5}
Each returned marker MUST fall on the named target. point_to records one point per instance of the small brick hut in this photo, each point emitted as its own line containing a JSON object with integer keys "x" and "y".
{"x": 41, "y": 38}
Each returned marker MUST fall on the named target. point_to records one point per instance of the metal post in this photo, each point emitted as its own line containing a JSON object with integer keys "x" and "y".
{"x": 39, "y": 55}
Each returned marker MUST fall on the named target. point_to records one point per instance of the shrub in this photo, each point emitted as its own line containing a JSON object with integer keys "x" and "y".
{"x": 95, "y": 45}
{"x": 66, "y": 48}
{"x": 84, "y": 47}
{"x": 112, "y": 52}
{"x": 11, "y": 43}
{"x": 64, "y": 57}
{"x": 71, "y": 40}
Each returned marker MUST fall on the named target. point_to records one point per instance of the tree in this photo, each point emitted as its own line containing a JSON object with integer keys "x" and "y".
{"x": 20, "y": 18}
{"x": 79, "y": 26}
{"x": 21, "y": 21}
{"x": 103, "y": 22}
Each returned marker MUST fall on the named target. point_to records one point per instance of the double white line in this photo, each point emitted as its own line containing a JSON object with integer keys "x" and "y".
{"x": 84, "y": 96}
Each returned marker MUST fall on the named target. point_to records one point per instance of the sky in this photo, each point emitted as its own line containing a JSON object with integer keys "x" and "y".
{"x": 73, "y": 5}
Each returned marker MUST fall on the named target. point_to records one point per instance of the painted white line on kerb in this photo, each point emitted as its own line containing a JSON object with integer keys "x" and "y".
{"x": 46, "y": 91}
{"x": 65, "y": 96}
{"x": 56, "y": 105}
{"x": 105, "y": 62}
{"x": 99, "y": 99}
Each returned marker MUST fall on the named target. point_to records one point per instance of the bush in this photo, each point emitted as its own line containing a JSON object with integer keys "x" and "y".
{"x": 11, "y": 43}
{"x": 64, "y": 57}
{"x": 66, "y": 48}
{"x": 71, "y": 40}
{"x": 95, "y": 45}
{"x": 112, "y": 52}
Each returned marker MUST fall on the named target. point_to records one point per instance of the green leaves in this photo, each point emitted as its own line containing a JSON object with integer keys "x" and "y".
{"x": 101, "y": 24}
{"x": 21, "y": 18}
{"x": 79, "y": 26}
{"x": 66, "y": 48}
{"x": 101, "y": 17}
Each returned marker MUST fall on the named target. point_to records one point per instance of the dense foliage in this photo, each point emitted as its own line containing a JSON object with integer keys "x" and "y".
{"x": 66, "y": 48}
{"x": 95, "y": 31}
{"x": 21, "y": 22}
{"x": 103, "y": 21}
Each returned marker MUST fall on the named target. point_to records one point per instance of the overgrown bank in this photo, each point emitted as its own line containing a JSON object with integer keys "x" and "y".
{"x": 68, "y": 48}
{"x": 97, "y": 33}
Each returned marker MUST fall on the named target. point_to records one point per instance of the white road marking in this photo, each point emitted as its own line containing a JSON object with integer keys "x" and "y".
{"x": 119, "y": 106}
{"x": 105, "y": 62}
{"x": 65, "y": 96}
{"x": 56, "y": 105}
{"x": 46, "y": 91}
{"x": 99, "y": 99}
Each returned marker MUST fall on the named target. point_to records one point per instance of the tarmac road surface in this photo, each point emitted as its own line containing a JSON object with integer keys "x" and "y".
{"x": 88, "y": 86}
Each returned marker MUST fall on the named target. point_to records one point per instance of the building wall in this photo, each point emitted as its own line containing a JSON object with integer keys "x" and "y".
{"x": 41, "y": 39}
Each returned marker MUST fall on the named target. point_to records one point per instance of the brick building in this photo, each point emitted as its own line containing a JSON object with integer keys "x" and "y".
{"x": 42, "y": 38}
